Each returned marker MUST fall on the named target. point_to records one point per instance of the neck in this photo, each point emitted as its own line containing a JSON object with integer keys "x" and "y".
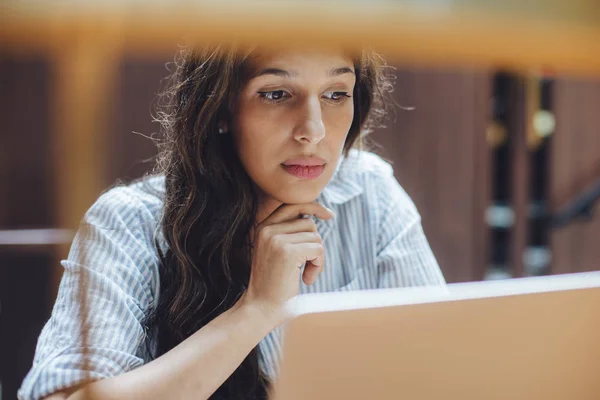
{"x": 266, "y": 207}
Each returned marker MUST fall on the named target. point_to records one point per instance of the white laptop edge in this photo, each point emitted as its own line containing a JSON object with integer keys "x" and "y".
{"x": 374, "y": 298}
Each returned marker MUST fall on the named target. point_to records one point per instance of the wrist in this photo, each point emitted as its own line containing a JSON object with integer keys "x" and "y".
{"x": 266, "y": 313}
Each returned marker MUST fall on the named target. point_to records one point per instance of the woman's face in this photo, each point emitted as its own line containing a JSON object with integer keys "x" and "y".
{"x": 292, "y": 118}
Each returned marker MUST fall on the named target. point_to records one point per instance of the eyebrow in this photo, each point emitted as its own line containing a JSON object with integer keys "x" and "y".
{"x": 341, "y": 71}
{"x": 286, "y": 74}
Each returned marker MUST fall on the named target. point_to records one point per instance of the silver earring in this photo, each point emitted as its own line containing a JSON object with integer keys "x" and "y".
{"x": 222, "y": 129}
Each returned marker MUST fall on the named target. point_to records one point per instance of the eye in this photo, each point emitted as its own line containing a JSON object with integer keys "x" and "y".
{"x": 274, "y": 96}
{"x": 337, "y": 97}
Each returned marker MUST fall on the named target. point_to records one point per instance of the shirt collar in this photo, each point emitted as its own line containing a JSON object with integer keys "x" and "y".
{"x": 342, "y": 187}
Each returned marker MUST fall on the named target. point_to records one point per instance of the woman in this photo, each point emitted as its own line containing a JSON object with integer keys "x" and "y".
{"x": 187, "y": 272}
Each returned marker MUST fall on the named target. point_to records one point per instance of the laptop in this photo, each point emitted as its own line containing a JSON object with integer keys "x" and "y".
{"x": 530, "y": 338}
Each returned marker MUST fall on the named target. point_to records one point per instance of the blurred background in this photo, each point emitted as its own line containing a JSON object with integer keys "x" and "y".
{"x": 503, "y": 166}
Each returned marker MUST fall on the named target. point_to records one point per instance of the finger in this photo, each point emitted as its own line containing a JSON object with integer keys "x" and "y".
{"x": 290, "y": 227}
{"x": 312, "y": 271}
{"x": 305, "y": 252}
{"x": 288, "y": 212}
{"x": 314, "y": 255}
{"x": 303, "y": 237}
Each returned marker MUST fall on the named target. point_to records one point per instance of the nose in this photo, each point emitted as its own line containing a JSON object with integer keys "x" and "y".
{"x": 310, "y": 128}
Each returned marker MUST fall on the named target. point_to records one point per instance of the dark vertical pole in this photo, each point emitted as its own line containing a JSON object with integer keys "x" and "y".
{"x": 518, "y": 125}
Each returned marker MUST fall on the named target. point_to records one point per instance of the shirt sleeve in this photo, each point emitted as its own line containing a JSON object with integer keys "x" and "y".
{"x": 404, "y": 257}
{"x": 112, "y": 256}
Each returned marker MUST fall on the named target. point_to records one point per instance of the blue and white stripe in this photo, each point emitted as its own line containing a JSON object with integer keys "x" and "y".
{"x": 374, "y": 241}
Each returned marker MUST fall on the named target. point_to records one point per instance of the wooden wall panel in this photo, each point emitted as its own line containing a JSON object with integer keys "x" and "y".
{"x": 130, "y": 150}
{"x": 26, "y": 201}
{"x": 4, "y": 132}
{"x": 575, "y": 164}
{"x": 25, "y": 179}
{"x": 441, "y": 158}
{"x": 24, "y": 290}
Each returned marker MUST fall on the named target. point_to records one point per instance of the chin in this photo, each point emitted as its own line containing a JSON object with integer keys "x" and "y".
{"x": 297, "y": 196}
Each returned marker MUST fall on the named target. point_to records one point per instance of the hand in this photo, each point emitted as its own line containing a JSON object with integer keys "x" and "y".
{"x": 284, "y": 242}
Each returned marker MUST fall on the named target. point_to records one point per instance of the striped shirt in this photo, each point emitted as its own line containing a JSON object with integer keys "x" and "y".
{"x": 374, "y": 241}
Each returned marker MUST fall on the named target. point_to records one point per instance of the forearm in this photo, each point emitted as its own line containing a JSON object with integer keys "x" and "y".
{"x": 196, "y": 367}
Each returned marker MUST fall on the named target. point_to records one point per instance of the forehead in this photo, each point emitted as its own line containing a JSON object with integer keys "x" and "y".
{"x": 299, "y": 61}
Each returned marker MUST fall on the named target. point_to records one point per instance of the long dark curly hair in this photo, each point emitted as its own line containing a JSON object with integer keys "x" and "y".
{"x": 210, "y": 203}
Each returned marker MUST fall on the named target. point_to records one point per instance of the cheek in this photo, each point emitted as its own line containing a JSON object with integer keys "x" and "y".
{"x": 338, "y": 122}
{"x": 259, "y": 132}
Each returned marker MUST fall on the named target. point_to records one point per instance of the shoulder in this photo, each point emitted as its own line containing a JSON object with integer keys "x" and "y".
{"x": 128, "y": 216}
{"x": 139, "y": 203}
{"x": 118, "y": 237}
{"x": 375, "y": 181}
{"x": 365, "y": 163}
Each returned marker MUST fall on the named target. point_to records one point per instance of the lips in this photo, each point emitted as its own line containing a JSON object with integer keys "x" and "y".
{"x": 305, "y": 168}
{"x": 305, "y": 172}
